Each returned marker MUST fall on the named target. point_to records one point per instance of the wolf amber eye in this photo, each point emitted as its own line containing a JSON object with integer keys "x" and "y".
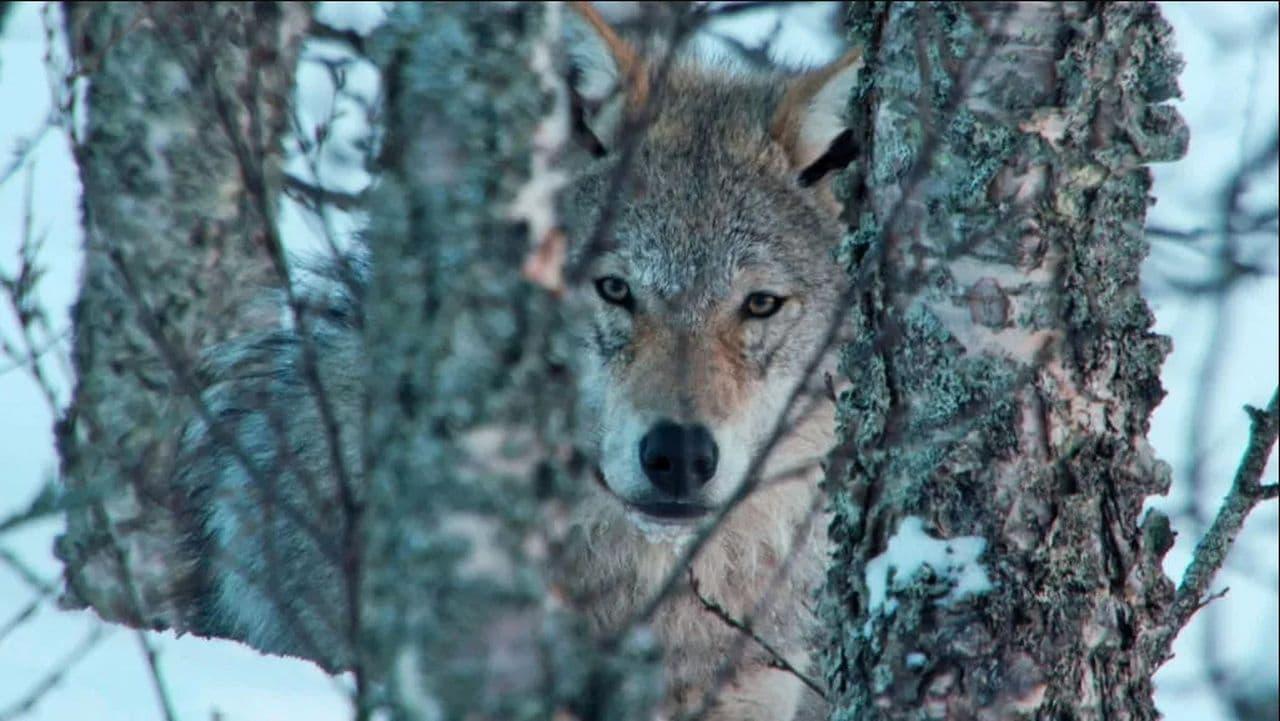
{"x": 614, "y": 290}
{"x": 762, "y": 305}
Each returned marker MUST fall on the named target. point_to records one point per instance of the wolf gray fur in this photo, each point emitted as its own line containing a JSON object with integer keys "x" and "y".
{"x": 258, "y": 478}
{"x": 697, "y": 317}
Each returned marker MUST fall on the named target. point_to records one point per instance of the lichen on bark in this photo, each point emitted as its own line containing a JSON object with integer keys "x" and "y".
{"x": 468, "y": 436}
{"x": 186, "y": 107}
{"x": 1006, "y": 372}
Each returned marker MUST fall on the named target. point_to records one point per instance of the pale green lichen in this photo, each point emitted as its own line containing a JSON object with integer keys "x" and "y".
{"x": 974, "y": 152}
{"x": 927, "y": 422}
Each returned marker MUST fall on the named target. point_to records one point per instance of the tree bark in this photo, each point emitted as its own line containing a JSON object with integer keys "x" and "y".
{"x": 469, "y": 430}
{"x": 993, "y": 463}
{"x": 179, "y": 156}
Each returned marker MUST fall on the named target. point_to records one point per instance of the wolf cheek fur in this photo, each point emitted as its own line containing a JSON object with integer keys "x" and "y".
{"x": 714, "y": 214}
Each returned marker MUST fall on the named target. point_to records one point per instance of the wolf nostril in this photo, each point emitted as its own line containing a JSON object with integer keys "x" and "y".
{"x": 678, "y": 459}
{"x": 657, "y": 449}
{"x": 704, "y": 467}
{"x": 703, "y": 453}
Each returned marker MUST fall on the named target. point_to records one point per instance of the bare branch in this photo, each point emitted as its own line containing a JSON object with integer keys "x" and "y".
{"x": 19, "y": 291}
{"x": 726, "y": 9}
{"x": 727, "y": 667}
{"x": 777, "y": 659}
{"x": 315, "y": 196}
{"x": 25, "y": 573}
{"x": 55, "y": 676}
{"x": 353, "y": 40}
{"x": 1246, "y": 492}
{"x": 157, "y": 678}
{"x": 46, "y": 503}
{"x": 26, "y": 613}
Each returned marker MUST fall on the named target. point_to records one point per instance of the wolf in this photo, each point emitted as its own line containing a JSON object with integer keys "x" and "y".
{"x": 704, "y": 323}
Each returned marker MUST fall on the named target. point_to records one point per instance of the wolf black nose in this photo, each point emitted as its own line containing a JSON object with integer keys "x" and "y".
{"x": 678, "y": 459}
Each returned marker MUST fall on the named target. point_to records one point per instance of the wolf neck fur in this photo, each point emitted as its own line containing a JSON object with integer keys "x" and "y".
{"x": 751, "y": 557}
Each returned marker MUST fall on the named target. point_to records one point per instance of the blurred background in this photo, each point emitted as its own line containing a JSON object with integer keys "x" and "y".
{"x": 1211, "y": 280}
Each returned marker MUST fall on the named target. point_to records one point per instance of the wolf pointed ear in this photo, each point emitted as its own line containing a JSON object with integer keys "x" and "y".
{"x": 607, "y": 77}
{"x": 810, "y": 120}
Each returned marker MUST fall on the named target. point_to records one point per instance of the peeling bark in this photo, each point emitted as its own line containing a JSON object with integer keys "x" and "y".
{"x": 1007, "y": 371}
{"x": 180, "y": 163}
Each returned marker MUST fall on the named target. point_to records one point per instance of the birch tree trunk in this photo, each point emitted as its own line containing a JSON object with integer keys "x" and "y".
{"x": 991, "y": 561}
{"x": 469, "y": 430}
{"x": 180, "y": 163}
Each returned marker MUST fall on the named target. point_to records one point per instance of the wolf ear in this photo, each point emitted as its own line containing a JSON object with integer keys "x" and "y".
{"x": 607, "y": 77}
{"x": 810, "y": 120}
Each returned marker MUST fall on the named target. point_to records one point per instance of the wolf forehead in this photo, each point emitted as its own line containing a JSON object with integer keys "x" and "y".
{"x": 709, "y": 194}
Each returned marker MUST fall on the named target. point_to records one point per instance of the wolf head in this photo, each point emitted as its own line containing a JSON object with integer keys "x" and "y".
{"x": 700, "y": 309}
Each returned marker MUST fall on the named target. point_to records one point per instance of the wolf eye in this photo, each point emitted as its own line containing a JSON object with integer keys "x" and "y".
{"x": 762, "y": 305}
{"x": 614, "y": 290}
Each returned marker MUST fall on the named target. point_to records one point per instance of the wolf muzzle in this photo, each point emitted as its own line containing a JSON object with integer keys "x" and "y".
{"x": 679, "y": 459}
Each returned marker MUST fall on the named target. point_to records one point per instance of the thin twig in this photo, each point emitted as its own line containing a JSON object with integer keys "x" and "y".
{"x": 725, "y": 671}
{"x": 777, "y": 660}
{"x": 38, "y": 352}
{"x": 47, "y": 502}
{"x": 250, "y": 162}
{"x": 157, "y": 679}
{"x": 354, "y": 41}
{"x": 314, "y": 197}
{"x": 19, "y": 291}
{"x": 634, "y": 126}
{"x": 25, "y": 146}
{"x": 22, "y": 616}
{"x": 27, "y": 703}
{"x": 29, "y": 576}
{"x": 758, "y": 54}
{"x": 728, "y": 9}
{"x": 181, "y": 369}
{"x": 1246, "y": 492}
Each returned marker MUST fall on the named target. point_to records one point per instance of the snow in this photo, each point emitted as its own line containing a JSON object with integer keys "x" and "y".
{"x": 912, "y": 552}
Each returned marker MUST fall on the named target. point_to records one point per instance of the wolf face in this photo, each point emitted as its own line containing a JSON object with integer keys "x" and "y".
{"x": 699, "y": 313}
{"x": 696, "y": 320}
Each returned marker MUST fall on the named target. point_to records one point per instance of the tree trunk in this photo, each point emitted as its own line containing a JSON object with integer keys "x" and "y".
{"x": 993, "y": 463}
{"x": 468, "y": 436}
{"x": 179, "y": 157}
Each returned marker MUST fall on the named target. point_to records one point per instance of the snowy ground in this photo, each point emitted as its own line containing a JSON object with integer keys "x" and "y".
{"x": 1231, "y": 105}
